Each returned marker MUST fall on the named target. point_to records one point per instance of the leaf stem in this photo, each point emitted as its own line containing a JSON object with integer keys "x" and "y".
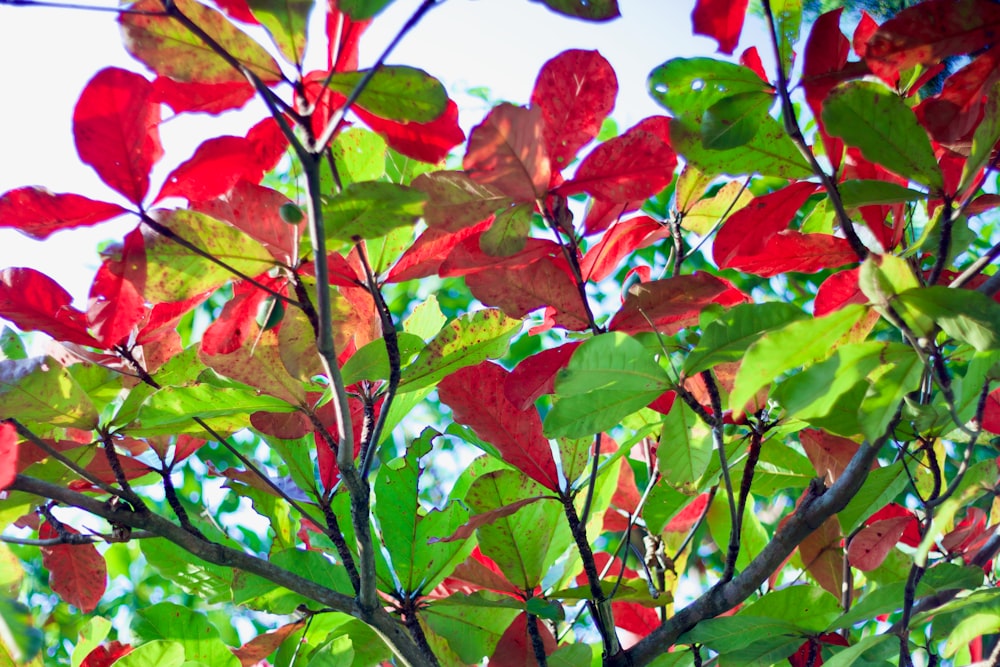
{"x": 735, "y": 518}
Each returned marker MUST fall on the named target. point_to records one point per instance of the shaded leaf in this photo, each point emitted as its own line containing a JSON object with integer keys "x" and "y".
{"x": 77, "y": 572}
{"x": 42, "y": 390}
{"x": 507, "y": 151}
{"x": 589, "y": 10}
{"x": 671, "y": 304}
{"x": 870, "y": 546}
{"x": 733, "y": 121}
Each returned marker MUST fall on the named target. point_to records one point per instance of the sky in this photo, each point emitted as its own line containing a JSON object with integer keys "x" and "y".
{"x": 47, "y": 55}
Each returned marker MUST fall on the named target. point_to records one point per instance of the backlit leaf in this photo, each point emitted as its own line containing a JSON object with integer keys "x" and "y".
{"x": 733, "y": 121}
{"x": 455, "y": 201}
{"x": 116, "y": 129}
{"x": 722, "y": 20}
{"x": 371, "y": 209}
{"x": 507, "y": 151}
{"x": 670, "y": 304}
{"x": 159, "y": 653}
{"x": 770, "y": 152}
{"x": 608, "y": 378}
{"x": 360, "y": 10}
{"x": 191, "y": 629}
{"x": 35, "y": 302}
{"x": 428, "y": 142}
{"x": 169, "y": 410}
{"x": 216, "y": 166}
{"x": 870, "y": 116}
{"x": 508, "y": 233}
{"x": 476, "y": 397}
{"x": 37, "y": 212}
{"x": 703, "y": 215}
{"x": 685, "y": 447}
{"x": 42, "y": 390}
{"x": 77, "y": 572}
{"x": 167, "y": 47}
{"x": 688, "y": 87}
{"x": 286, "y": 22}
{"x": 576, "y": 91}
{"x": 396, "y": 92}
{"x": 966, "y": 315}
{"x": 536, "y": 375}
{"x": 8, "y": 454}
{"x": 728, "y": 337}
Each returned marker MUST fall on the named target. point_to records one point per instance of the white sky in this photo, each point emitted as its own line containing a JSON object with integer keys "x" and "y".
{"x": 48, "y": 55}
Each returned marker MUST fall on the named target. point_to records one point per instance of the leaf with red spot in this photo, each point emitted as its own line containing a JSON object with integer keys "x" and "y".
{"x": 515, "y": 648}
{"x": 8, "y": 454}
{"x": 210, "y": 98}
{"x": 37, "y": 212}
{"x": 507, "y": 151}
{"x": 256, "y": 210}
{"x": 791, "y": 250}
{"x": 872, "y": 544}
{"x": 671, "y": 304}
{"x": 476, "y": 397}
{"x": 427, "y": 142}
{"x": 722, "y": 20}
{"x": 621, "y": 239}
{"x": 518, "y": 291}
{"x": 35, "y": 302}
{"x": 636, "y": 165}
{"x": 256, "y": 362}
{"x": 746, "y": 232}
{"x": 536, "y": 375}
{"x": 576, "y": 91}
{"x": 77, "y": 572}
{"x": 911, "y": 535}
{"x": 116, "y": 128}
{"x": 216, "y": 166}
{"x": 468, "y": 257}
{"x": 931, "y": 31}
{"x": 115, "y": 306}
{"x": 839, "y": 290}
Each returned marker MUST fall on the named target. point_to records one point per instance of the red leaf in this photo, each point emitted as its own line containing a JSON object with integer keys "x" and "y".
{"x": 673, "y": 303}
{"x": 326, "y": 458}
{"x": 515, "y": 649}
{"x": 625, "y": 499}
{"x": 791, "y": 250}
{"x": 953, "y": 114}
{"x": 746, "y": 232}
{"x": 268, "y": 143}
{"x": 911, "y": 535}
{"x": 476, "y": 397}
{"x": 837, "y": 291}
{"x": 663, "y": 403}
{"x": 633, "y": 617}
{"x": 536, "y": 375}
{"x": 115, "y": 305}
{"x": 343, "y": 35}
{"x": 427, "y": 254}
{"x": 621, "y": 239}
{"x": 822, "y": 555}
{"x": 257, "y": 211}
{"x": 931, "y": 31}
{"x": 722, "y": 20}
{"x": 825, "y": 57}
{"x": 468, "y": 257}
{"x": 283, "y": 425}
{"x": 966, "y": 531}
{"x": 37, "y": 213}
{"x": 35, "y": 302}
{"x": 602, "y": 213}
{"x": 8, "y": 454}
{"x": 991, "y": 415}
{"x": 216, "y": 166}
{"x": 751, "y": 60}
{"x": 237, "y": 9}
{"x": 872, "y": 544}
{"x": 427, "y": 142}
{"x": 519, "y": 290}
{"x": 194, "y": 97}
{"x": 238, "y": 320}
{"x": 106, "y": 654}
{"x": 257, "y": 649}
{"x": 164, "y": 317}
{"x": 689, "y": 516}
{"x": 481, "y": 572}
{"x": 77, "y": 572}
{"x": 507, "y": 151}
{"x": 116, "y": 128}
{"x": 576, "y": 91}
{"x": 636, "y": 165}
{"x": 828, "y": 453}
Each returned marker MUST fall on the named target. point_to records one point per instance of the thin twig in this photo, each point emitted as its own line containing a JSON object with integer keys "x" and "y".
{"x": 28, "y": 434}
{"x": 76, "y": 539}
{"x": 733, "y": 550}
{"x": 73, "y": 5}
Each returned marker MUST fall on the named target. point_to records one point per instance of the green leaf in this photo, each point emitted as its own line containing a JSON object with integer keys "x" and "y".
{"x": 788, "y": 23}
{"x": 588, "y": 10}
{"x": 731, "y": 633}
{"x": 685, "y": 447}
{"x": 371, "y": 362}
{"x": 91, "y": 635}
{"x": 334, "y": 653}
{"x": 465, "y": 341}
{"x": 865, "y": 192}
{"x": 880, "y": 647}
{"x": 880, "y": 488}
{"x": 753, "y": 535}
{"x": 574, "y": 453}
{"x": 190, "y": 574}
{"x": 965, "y": 315}
{"x": 406, "y": 528}
{"x": 199, "y": 639}
{"x": 156, "y": 653}
{"x": 286, "y": 22}
{"x": 688, "y": 87}
{"x": 900, "y": 373}
{"x": 662, "y": 505}
{"x": 980, "y": 624}
{"x": 705, "y": 214}
{"x": 770, "y": 152}
{"x": 22, "y": 641}
{"x": 262, "y": 594}
{"x": 396, "y": 92}
{"x": 810, "y": 608}
{"x": 168, "y": 48}
{"x": 371, "y": 209}
{"x": 526, "y": 543}
{"x": 814, "y": 392}
{"x": 472, "y": 631}
{"x": 733, "y": 121}
{"x": 169, "y": 411}
{"x": 728, "y": 337}
{"x": 509, "y": 232}
{"x": 868, "y": 115}
{"x": 40, "y": 389}
{"x": 362, "y": 10}
{"x": 359, "y": 155}
{"x": 796, "y": 344}
{"x": 426, "y": 319}
{"x": 608, "y": 378}
{"x": 174, "y": 273}
{"x": 11, "y": 345}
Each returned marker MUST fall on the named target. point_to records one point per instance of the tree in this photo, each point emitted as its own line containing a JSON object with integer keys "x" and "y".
{"x": 790, "y": 425}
